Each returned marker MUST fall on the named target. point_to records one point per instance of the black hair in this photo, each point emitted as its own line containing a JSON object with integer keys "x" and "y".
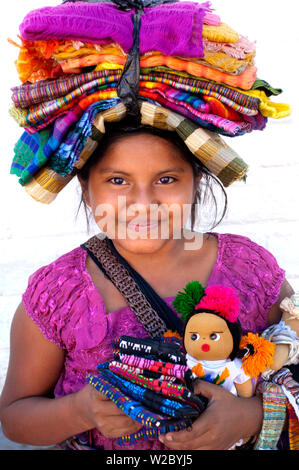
{"x": 234, "y": 328}
{"x": 205, "y": 196}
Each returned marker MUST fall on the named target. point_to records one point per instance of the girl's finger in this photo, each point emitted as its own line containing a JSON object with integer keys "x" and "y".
{"x": 202, "y": 443}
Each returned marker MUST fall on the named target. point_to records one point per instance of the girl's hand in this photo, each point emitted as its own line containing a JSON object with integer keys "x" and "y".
{"x": 226, "y": 420}
{"x": 99, "y": 412}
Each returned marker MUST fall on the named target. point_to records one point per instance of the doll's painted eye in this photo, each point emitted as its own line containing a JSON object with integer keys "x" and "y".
{"x": 215, "y": 336}
{"x": 195, "y": 336}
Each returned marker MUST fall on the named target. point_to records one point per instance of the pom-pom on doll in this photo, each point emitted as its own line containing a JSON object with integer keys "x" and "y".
{"x": 212, "y": 338}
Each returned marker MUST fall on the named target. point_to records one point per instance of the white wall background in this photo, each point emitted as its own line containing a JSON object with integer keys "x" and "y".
{"x": 266, "y": 208}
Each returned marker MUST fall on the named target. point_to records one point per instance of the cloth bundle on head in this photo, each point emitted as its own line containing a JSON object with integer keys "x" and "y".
{"x": 193, "y": 75}
{"x": 149, "y": 381}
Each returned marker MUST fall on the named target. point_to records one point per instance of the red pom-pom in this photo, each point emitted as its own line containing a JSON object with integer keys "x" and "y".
{"x": 222, "y": 300}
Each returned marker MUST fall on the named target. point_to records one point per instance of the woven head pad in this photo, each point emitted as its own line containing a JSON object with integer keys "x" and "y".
{"x": 208, "y": 147}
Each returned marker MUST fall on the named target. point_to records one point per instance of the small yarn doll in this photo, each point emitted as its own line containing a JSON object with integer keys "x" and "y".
{"x": 212, "y": 338}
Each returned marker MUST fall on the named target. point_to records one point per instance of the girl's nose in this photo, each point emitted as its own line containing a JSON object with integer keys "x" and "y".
{"x": 143, "y": 195}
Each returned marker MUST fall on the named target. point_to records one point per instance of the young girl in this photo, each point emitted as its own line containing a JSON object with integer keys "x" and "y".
{"x": 70, "y": 312}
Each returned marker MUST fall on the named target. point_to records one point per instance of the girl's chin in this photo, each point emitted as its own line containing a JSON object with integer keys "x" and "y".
{"x": 141, "y": 245}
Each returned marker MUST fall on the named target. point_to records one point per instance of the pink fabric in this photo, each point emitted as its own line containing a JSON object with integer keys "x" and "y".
{"x": 238, "y": 50}
{"x": 173, "y": 29}
{"x": 63, "y": 301}
{"x": 212, "y": 19}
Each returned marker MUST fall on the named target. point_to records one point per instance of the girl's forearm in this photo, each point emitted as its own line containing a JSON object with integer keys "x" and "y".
{"x": 43, "y": 421}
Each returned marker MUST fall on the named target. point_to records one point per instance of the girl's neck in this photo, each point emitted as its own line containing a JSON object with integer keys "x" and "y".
{"x": 167, "y": 255}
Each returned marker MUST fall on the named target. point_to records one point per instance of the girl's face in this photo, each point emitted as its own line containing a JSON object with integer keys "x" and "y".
{"x": 137, "y": 192}
{"x": 208, "y": 338}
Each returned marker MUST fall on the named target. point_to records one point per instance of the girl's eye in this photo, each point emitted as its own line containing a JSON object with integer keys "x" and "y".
{"x": 215, "y": 336}
{"x": 195, "y": 336}
{"x": 167, "y": 178}
{"x": 117, "y": 178}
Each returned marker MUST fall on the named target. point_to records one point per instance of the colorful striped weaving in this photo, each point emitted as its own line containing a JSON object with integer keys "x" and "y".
{"x": 209, "y": 148}
{"x": 160, "y": 406}
{"x": 274, "y": 406}
{"x": 33, "y": 152}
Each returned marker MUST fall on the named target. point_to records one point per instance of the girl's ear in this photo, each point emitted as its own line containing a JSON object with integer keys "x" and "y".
{"x": 84, "y": 189}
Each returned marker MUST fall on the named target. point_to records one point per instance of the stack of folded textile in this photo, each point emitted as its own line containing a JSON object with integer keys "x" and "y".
{"x": 192, "y": 65}
{"x": 148, "y": 379}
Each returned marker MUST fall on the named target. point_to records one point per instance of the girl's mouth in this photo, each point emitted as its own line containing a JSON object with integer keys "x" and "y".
{"x": 143, "y": 227}
{"x": 205, "y": 347}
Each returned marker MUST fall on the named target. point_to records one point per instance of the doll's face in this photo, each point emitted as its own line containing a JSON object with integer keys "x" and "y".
{"x": 207, "y": 337}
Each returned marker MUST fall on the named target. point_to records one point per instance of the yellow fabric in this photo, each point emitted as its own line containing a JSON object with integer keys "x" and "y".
{"x": 226, "y": 63}
{"x": 87, "y": 49}
{"x": 269, "y": 108}
{"x": 221, "y": 33}
{"x": 108, "y": 66}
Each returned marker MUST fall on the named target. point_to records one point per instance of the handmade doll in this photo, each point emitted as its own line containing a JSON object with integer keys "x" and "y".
{"x": 212, "y": 338}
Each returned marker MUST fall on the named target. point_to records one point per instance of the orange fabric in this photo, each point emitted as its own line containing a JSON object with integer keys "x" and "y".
{"x": 220, "y": 109}
{"x": 244, "y": 81}
{"x": 35, "y": 60}
{"x": 198, "y": 370}
{"x": 69, "y": 65}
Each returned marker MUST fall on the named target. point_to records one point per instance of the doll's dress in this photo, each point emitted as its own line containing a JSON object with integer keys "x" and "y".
{"x": 214, "y": 371}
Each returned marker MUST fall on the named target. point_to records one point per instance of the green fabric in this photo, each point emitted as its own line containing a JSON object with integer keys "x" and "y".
{"x": 266, "y": 87}
{"x": 29, "y": 150}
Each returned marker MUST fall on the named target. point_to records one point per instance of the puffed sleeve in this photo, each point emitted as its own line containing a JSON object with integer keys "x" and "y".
{"x": 41, "y": 305}
{"x": 64, "y": 303}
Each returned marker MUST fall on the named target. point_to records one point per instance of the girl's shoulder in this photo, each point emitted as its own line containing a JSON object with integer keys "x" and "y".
{"x": 241, "y": 250}
{"x": 58, "y": 296}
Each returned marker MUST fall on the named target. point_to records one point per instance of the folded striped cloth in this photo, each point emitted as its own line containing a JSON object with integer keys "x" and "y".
{"x": 149, "y": 384}
{"x": 198, "y": 100}
{"x": 33, "y": 151}
{"x": 244, "y": 102}
{"x": 206, "y": 146}
{"x": 40, "y": 114}
{"x": 207, "y": 112}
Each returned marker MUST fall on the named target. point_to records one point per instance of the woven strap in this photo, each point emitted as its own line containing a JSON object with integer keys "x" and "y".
{"x": 124, "y": 282}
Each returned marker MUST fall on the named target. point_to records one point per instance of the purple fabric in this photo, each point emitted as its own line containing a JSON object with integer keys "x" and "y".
{"x": 63, "y": 301}
{"x": 173, "y": 29}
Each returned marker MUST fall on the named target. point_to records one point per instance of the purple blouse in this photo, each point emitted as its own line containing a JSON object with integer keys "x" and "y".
{"x": 63, "y": 301}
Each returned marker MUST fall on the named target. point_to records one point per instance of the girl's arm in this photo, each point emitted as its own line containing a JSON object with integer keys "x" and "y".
{"x": 275, "y": 314}
{"x": 28, "y": 415}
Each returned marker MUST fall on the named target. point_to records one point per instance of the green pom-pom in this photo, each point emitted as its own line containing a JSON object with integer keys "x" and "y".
{"x": 185, "y": 302}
